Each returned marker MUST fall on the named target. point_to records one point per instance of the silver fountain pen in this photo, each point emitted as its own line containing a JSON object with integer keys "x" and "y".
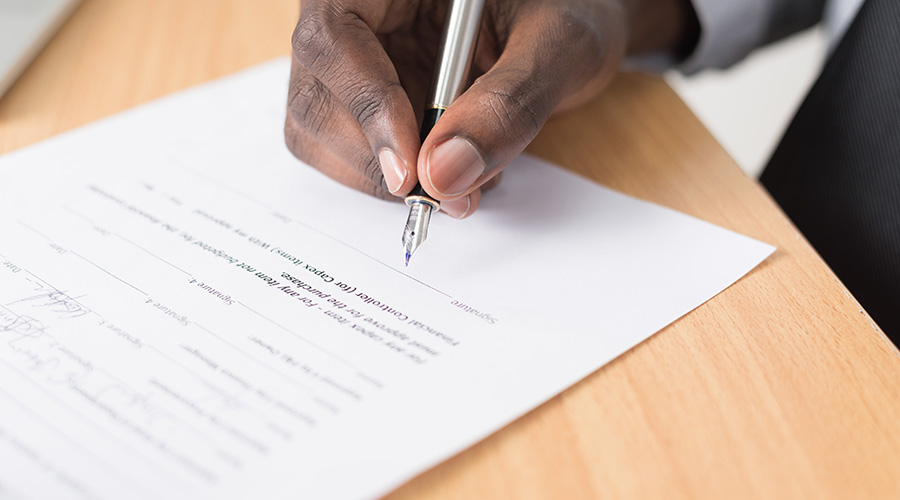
{"x": 451, "y": 75}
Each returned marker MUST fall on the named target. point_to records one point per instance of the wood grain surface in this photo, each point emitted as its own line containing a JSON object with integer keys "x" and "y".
{"x": 779, "y": 387}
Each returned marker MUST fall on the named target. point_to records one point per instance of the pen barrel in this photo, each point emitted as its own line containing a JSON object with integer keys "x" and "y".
{"x": 451, "y": 75}
{"x": 457, "y": 49}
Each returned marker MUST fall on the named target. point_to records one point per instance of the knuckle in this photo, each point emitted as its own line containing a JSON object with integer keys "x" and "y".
{"x": 372, "y": 171}
{"x": 308, "y": 102}
{"x": 367, "y": 102}
{"x": 312, "y": 153}
{"x": 518, "y": 109}
{"x": 315, "y": 38}
{"x": 372, "y": 180}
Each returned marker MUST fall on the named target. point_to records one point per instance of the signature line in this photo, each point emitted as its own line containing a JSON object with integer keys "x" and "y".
{"x": 107, "y": 272}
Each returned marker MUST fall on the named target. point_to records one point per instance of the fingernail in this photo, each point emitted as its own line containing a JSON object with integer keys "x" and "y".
{"x": 459, "y": 208}
{"x": 453, "y": 166}
{"x": 393, "y": 169}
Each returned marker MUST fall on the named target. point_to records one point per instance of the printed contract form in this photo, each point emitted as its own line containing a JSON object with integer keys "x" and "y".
{"x": 184, "y": 313}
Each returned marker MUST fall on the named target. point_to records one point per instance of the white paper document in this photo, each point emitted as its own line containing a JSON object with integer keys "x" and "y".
{"x": 187, "y": 311}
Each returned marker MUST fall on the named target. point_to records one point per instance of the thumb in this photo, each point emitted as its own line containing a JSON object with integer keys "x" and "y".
{"x": 547, "y": 58}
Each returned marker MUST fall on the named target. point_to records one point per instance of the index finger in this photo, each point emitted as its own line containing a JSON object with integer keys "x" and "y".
{"x": 335, "y": 41}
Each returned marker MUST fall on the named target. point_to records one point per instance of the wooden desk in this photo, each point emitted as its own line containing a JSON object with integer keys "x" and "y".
{"x": 780, "y": 387}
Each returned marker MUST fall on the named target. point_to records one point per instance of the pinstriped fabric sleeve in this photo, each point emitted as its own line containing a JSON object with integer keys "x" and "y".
{"x": 730, "y": 29}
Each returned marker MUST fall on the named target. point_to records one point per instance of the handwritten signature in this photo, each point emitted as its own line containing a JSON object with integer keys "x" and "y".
{"x": 21, "y": 326}
{"x": 56, "y": 301}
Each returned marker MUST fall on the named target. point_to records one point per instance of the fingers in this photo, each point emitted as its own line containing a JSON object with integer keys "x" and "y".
{"x": 461, "y": 208}
{"x": 551, "y": 55}
{"x": 349, "y": 116}
{"x": 322, "y": 133}
{"x": 331, "y": 164}
{"x": 343, "y": 62}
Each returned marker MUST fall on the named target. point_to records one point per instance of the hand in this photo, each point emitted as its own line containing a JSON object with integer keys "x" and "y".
{"x": 362, "y": 69}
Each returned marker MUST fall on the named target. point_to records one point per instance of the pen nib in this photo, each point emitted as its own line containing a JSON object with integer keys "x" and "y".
{"x": 416, "y": 227}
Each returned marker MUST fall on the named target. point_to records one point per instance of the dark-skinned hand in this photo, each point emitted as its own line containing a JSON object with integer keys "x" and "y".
{"x": 362, "y": 69}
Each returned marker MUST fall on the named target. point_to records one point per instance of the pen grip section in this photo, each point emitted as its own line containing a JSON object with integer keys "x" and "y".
{"x": 429, "y": 120}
